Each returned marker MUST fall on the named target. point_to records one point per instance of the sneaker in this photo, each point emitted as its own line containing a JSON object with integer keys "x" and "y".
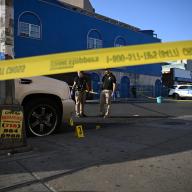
{"x": 83, "y": 115}
{"x": 106, "y": 116}
{"x": 78, "y": 115}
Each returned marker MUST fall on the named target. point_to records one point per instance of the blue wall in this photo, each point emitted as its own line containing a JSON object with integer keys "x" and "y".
{"x": 125, "y": 87}
{"x": 2, "y": 56}
{"x": 65, "y": 30}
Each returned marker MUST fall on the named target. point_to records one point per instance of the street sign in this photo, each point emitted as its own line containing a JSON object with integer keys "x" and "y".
{"x": 12, "y": 133}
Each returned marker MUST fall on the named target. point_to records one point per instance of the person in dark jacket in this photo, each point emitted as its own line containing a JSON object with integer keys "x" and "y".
{"x": 80, "y": 87}
{"x": 107, "y": 93}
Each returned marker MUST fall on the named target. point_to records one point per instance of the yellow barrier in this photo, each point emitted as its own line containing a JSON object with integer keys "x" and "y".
{"x": 95, "y": 59}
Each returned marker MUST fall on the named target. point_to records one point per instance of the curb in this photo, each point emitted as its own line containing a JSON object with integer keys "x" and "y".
{"x": 149, "y": 100}
{"x": 22, "y": 149}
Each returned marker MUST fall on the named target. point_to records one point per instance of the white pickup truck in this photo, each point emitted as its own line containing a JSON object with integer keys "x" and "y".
{"x": 46, "y": 102}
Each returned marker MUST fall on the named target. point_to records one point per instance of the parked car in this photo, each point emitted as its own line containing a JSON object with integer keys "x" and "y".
{"x": 181, "y": 91}
{"x": 47, "y": 103}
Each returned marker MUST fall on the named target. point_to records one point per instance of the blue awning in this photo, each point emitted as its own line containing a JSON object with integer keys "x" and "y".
{"x": 2, "y": 56}
{"x": 183, "y": 79}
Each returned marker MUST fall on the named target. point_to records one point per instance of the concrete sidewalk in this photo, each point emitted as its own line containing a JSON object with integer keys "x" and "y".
{"x": 142, "y": 100}
{"x": 143, "y": 147}
{"x": 137, "y": 156}
{"x": 143, "y": 109}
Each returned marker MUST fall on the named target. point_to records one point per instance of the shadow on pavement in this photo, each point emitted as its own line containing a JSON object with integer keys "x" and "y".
{"x": 126, "y": 140}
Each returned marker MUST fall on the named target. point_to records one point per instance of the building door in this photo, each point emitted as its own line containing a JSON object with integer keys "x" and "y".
{"x": 157, "y": 88}
{"x": 125, "y": 87}
{"x": 95, "y": 84}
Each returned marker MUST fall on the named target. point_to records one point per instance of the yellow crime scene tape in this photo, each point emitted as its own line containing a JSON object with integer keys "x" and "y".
{"x": 95, "y": 59}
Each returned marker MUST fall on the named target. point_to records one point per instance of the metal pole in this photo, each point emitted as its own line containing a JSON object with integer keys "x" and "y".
{"x": 9, "y": 138}
{"x": 7, "y": 88}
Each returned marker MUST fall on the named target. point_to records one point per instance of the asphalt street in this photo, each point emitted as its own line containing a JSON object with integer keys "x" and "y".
{"x": 143, "y": 147}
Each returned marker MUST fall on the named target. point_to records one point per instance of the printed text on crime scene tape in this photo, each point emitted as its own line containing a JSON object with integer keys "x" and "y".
{"x": 116, "y": 58}
{"x": 148, "y": 55}
{"x": 95, "y": 59}
{"x": 12, "y": 69}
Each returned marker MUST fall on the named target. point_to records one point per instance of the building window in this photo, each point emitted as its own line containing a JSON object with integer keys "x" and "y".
{"x": 119, "y": 45}
{"x": 29, "y": 25}
{"x": 119, "y": 42}
{"x": 29, "y": 30}
{"x": 94, "y": 43}
{"x": 94, "y": 40}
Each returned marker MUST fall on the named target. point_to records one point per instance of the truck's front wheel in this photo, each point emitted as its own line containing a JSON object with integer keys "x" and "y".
{"x": 42, "y": 117}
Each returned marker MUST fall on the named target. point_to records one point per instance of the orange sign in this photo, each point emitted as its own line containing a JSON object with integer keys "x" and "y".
{"x": 11, "y": 124}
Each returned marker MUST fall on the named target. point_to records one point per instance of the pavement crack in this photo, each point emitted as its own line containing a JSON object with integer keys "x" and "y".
{"x": 43, "y": 181}
{"x": 37, "y": 179}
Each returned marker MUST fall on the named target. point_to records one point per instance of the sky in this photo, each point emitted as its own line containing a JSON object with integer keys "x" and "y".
{"x": 170, "y": 19}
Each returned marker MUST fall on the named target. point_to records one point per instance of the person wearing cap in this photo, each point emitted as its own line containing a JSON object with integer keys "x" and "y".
{"x": 107, "y": 93}
{"x": 80, "y": 87}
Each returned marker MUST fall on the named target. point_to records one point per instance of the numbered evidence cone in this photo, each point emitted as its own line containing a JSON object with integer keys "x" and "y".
{"x": 79, "y": 131}
{"x": 98, "y": 126}
{"x": 71, "y": 122}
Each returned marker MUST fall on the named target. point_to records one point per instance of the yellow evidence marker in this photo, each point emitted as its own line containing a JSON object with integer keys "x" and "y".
{"x": 79, "y": 131}
{"x": 98, "y": 126}
{"x": 71, "y": 122}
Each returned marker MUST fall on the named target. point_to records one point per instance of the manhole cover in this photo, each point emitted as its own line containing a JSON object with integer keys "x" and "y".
{"x": 175, "y": 123}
